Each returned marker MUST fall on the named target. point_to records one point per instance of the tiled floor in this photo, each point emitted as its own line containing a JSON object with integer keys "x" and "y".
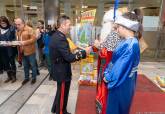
{"x": 41, "y": 100}
{"x": 7, "y": 89}
{"x": 153, "y": 69}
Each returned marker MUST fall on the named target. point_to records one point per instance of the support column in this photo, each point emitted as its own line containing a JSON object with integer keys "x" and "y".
{"x": 160, "y": 51}
{"x": 40, "y": 8}
{"x": 130, "y": 5}
{"x": 22, "y": 9}
{"x": 100, "y": 12}
{"x": 15, "y": 8}
{"x": 18, "y": 9}
{"x": 67, "y": 8}
{"x": 51, "y": 11}
{"x": 2, "y": 8}
{"x": 78, "y": 14}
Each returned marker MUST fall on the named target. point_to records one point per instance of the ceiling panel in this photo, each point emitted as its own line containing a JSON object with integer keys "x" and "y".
{"x": 137, "y": 3}
{"x": 142, "y": 3}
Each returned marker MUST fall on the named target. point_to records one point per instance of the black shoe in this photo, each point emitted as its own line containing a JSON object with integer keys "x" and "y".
{"x": 38, "y": 72}
{"x": 67, "y": 112}
{"x": 1, "y": 71}
{"x": 9, "y": 74}
{"x": 13, "y": 80}
{"x": 50, "y": 78}
{"x": 33, "y": 81}
{"x": 13, "y": 77}
{"x": 25, "y": 81}
{"x": 41, "y": 64}
{"x": 20, "y": 65}
{"x": 7, "y": 80}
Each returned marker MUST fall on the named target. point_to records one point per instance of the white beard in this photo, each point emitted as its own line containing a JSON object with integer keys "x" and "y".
{"x": 106, "y": 29}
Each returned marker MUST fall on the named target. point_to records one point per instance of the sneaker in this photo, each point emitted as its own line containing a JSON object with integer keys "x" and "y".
{"x": 25, "y": 81}
{"x": 33, "y": 81}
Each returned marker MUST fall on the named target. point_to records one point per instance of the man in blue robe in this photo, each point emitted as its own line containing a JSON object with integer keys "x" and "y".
{"x": 121, "y": 73}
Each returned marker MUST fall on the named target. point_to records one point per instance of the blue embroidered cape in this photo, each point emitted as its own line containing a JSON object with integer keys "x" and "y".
{"x": 121, "y": 75}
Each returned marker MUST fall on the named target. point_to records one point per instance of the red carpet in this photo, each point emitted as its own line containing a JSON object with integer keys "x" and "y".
{"x": 86, "y": 100}
{"x": 146, "y": 85}
{"x": 148, "y": 98}
{"x": 148, "y": 102}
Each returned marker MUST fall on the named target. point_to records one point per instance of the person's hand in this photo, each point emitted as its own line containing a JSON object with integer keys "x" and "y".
{"x": 105, "y": 80}
{"x": 22, "y": 43}
{"x": 38, "y": 34}
{"x": 88, "y": 49}
{"x": 7, "y": 44}
{"x": 96, "y": 43}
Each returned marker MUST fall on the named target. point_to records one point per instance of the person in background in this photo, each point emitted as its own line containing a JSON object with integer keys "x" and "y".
{"x": 7, "y": 53}
{"x": 29, "y": 23}
{"x": 61, "y": 58}
{"x": 26, "y": 35}
{"x": 46, "y": 39}
{"x": 142, "y": 42}
{"x": 39, "y": 35}
{"x": 121, "y": 73}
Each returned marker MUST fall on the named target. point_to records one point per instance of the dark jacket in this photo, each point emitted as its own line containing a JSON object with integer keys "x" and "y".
{"x": 9, "y": 52}
{"x": 61, "y": 57}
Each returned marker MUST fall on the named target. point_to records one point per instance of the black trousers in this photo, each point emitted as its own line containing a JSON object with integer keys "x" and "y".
{"x": 1, "y": 63}
{"x": 61, "y": 98}
{"x": 8, "y": 63}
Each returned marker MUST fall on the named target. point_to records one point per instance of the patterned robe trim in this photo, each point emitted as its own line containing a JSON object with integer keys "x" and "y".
{"x": 111, "y": 41}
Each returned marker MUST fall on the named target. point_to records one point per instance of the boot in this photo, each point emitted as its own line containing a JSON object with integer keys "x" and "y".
{"x": 9, "y": 77}
{"x": 50, "y": 77}
{"x": 13, "y": 77}
{"x": 38, "y": 72}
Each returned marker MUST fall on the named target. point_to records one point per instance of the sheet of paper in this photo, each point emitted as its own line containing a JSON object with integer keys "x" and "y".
{"x": 10, "y": 43}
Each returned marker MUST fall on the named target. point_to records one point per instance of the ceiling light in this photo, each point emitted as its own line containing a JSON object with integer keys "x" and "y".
{"x": 84, "y": 7}
{"x": 26, "y": 6}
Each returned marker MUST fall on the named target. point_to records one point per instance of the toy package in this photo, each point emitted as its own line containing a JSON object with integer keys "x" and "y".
{"x": 88, "y": 71}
